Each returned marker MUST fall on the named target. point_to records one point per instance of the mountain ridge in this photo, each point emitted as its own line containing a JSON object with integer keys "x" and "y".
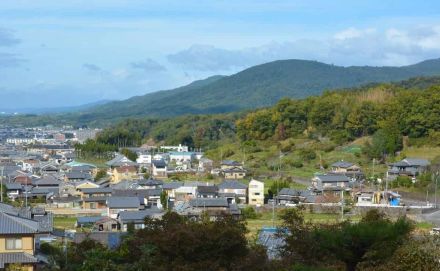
{"x": 258, "y": 86}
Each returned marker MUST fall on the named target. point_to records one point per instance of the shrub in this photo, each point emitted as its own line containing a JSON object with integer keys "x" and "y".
{"x": 249, "y": 213}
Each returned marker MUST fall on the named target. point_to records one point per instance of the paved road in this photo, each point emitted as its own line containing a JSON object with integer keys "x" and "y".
{"x": 433, "y": 217}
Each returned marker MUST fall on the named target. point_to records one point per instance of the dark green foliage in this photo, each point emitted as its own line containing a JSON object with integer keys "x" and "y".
{"x": 276, "y": 186}
{"x": 372, "y": 241}
{"x": 402, "y": 181}
{"x": 164, "y": 200}
{"x": 129, "y": 154}
{"x": 249, "y": 213}
{"x": 258, "y": 86}
{"x": 307, "y": 154}
{"x": 102, "y": 173}
{"x": 94, "y": 148}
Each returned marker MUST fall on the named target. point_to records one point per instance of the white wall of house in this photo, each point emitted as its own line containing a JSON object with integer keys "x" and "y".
{"x": 256, "y": 193}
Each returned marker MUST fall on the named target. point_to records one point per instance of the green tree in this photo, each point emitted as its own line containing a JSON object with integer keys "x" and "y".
{"x": 129, "y": 154}
{"x": 164, "y": 199}
{"x": 102, "y": 173}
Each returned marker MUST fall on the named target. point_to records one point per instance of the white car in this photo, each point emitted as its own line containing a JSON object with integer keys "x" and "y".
{"x": 435, "y": 231}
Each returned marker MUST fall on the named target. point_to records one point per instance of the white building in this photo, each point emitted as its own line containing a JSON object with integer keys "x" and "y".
{"x": 256, "y": 193}
{"x": 179, "y": 148}
{"x": 144, "y": 159}
{"x": 182, "y": 156}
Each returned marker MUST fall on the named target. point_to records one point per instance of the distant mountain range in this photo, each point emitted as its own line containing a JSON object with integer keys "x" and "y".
{"x": 258, "y": 86}
{"x": 49, "y": 110}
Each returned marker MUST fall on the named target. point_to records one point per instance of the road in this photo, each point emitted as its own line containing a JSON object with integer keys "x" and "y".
{"x": 433, "y": 217}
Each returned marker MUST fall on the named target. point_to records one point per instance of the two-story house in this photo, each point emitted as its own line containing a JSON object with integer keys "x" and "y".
{"x": 232, "y": 170}
{"x": 233, "y": 191}
{"x": 330, "y": 182}
{"x": 256, "y": 193}
{"x": 159, "y": 169}
{"x": 17, "y": 241}
{"x": 410, "y": 167}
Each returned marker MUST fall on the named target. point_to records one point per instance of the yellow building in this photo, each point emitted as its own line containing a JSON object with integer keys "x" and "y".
{"x": 256, "y": 193}
{"x": 17, "y": 241}
{"x": 124, "y": 173}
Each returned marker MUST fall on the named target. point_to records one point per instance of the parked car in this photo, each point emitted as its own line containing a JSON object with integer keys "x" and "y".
{"x": 435, "y": 231}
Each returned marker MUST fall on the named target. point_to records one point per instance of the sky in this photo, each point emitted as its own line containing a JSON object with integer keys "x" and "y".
{"x": 64, "y": 53}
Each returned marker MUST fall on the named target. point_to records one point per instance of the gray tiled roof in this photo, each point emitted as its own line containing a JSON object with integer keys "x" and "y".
{"x": 48, "y": 181}
{"x": 417, "y": 162}
{"x": 230, "y": 163}
{"x": 10, "y": 224}
{"x": 78, "y": 175}
{"x": 150, "y": 182}
{"x": 123, "y": 202}
{"x": 332, "y": 178}
{"x": 342, "y": 164}
{"x": 16, "y": 257}
{"x": 209, "y": 202}
{"x": 97, "y": 190}
{"x": 172, "y": 185}
{"x": 232, "y": 185}
{"x": 5, "y": 208}
{"x": 13, "y": 186}
{"x": 159, "y": 163}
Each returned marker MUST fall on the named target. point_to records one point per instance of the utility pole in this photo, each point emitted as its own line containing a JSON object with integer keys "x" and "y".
{"x": 435, "y": 196}
{"x": 342, "y": 205}
{"x": 1, "y": 184}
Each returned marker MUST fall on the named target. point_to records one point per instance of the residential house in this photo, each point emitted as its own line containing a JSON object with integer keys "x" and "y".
{"x": 233, "y": 191}
{"x": 95, "y": 198}
{"x": 344, "y": 167}
{"x": 13, "y": 190}
{"x": 137, "y": 218}
{"x": 207, "y": 191}
{"x": 147, "y": 197}
{"x": 205, "y": 165}
{"x": 159, "y": 169}
{"x": 186, "y": 192}
{"x": 348, "y": 169}
{"x": 144, "y": 159}
{"x": 180, "y": 148}
{"x": 180, "y": 157}
{"x": 214, "y": 207}
{"x": 119, "y": 161}
{"x": 256, "y": 193}
{"x": 124, "y": 173}
{"x": 232, "y": 170}
{"x": 87, "y": 221}
{"x": 107, "y": 224}
{"x": 170, "y": 189}
{"x": 77, "y": 176}
{"x": 150, "y": 184}
{"x": 330, "y": 182}
{"x": 410, "y": 167}
{"x": 17, "y": 241}
{"x": 119, "y": 204}
{"x": 48, "y": 182}
{"x": 288, "y": 196}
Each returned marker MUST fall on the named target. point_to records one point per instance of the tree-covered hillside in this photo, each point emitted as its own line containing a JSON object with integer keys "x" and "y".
{"x": 258, "y": 86}
{"x": 393, "y": 109}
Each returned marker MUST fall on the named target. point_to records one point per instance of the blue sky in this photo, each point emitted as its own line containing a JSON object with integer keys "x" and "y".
{"x": 60, "y": 53}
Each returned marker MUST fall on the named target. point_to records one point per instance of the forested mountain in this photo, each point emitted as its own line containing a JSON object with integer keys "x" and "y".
{"x": 258, "y": 86}
{"x": 385, "y": 111}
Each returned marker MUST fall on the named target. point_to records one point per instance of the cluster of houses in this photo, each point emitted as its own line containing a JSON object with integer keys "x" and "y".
{"x": 348, "y": 177}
